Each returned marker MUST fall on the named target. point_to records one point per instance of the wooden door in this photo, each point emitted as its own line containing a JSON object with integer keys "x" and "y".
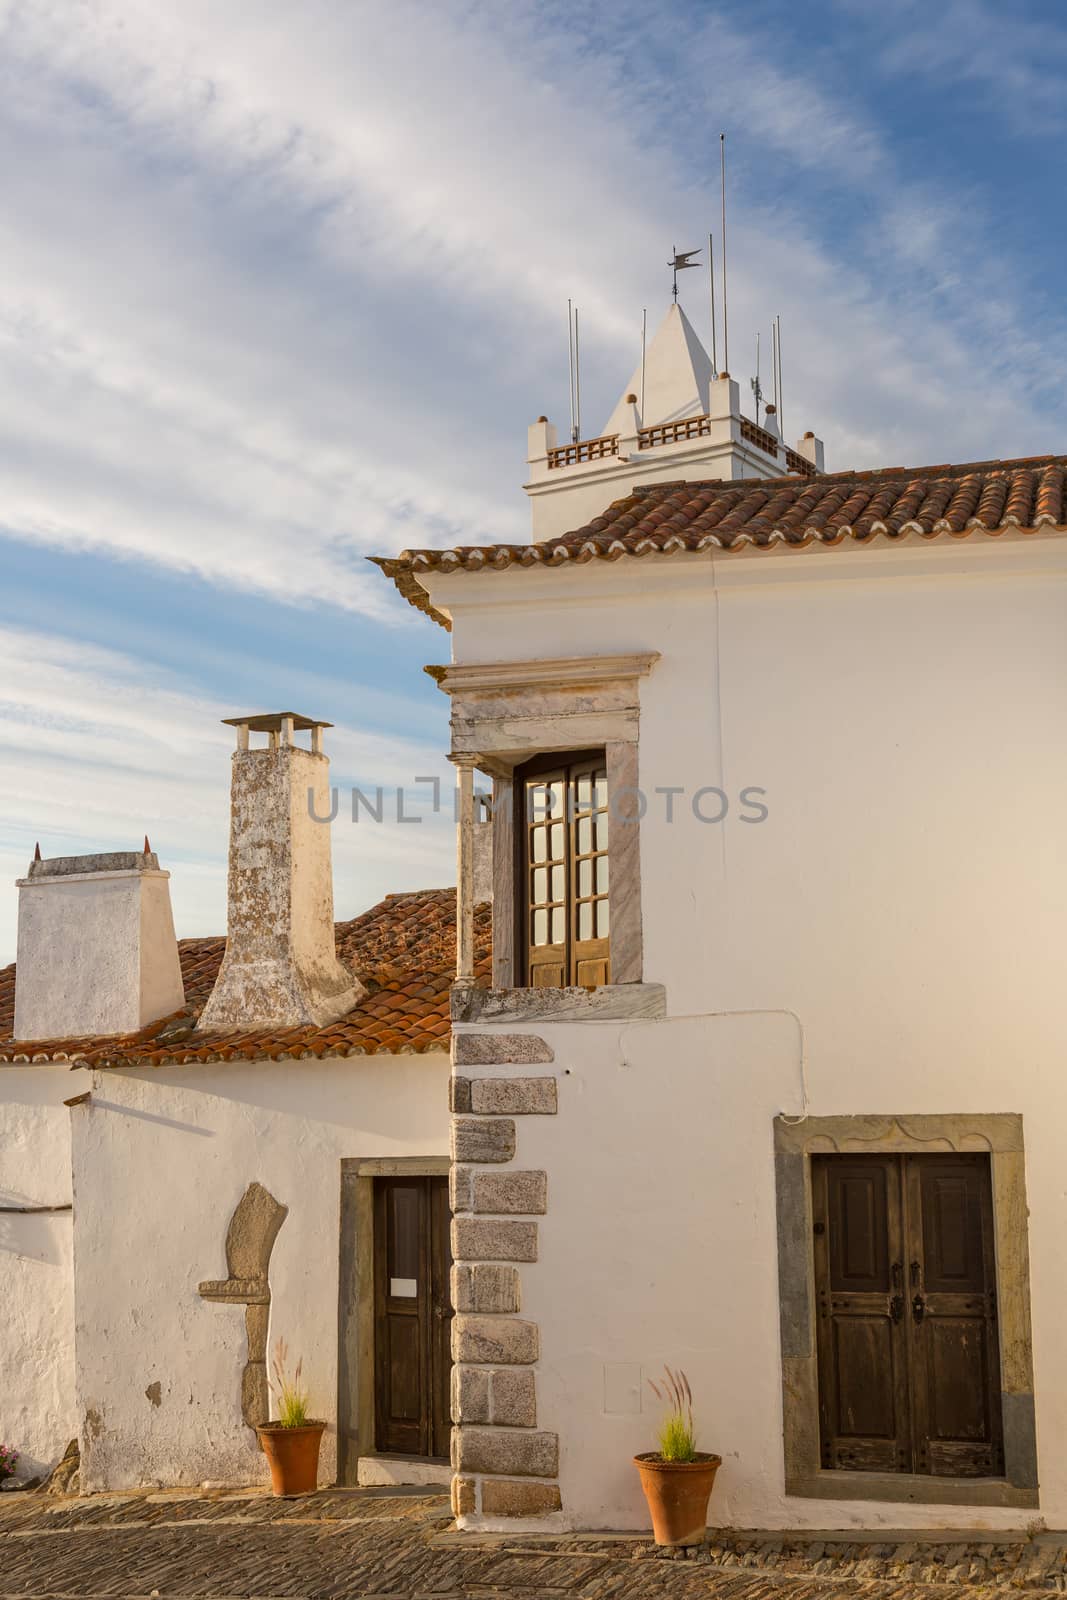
{"x": 909, "y": 1375}
{"x": 952, "y": 1318}
{"x": 863, "y": 1377}
{"x": 412, "y": 1318}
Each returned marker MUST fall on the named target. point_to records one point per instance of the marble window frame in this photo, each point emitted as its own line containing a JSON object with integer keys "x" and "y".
{"x": 506, "y": 713}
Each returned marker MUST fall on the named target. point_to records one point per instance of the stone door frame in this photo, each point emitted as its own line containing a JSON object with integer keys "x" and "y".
{"x": 355, "y": 1315}
{"x": 1000, "y": 1136}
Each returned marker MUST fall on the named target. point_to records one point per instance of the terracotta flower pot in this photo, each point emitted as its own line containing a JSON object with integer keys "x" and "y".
{"x": 678, "y": 1493}
{"x": 293, "y": 1456}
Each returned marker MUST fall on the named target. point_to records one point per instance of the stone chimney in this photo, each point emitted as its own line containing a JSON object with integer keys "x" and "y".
{"x": 96, "y": 946}
{"x": 280, "y": 969}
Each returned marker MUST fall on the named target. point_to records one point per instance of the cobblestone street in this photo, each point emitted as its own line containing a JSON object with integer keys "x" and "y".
{"x": 394, "y": 1543}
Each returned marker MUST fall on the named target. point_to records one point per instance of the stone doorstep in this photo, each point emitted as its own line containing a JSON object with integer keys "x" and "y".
{"x": 377, "y": 1472}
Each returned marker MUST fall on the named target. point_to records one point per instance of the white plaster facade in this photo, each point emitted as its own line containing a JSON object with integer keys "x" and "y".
{"x": 163, "y": 1157}
{"x": 37, "y": 1414}
{"x": 887, "y": 941}
{"x": 102, "y": 1303}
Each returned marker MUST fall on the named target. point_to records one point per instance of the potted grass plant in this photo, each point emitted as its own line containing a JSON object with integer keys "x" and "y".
{"x": 677, "y": 1478}
{"x": 291, "y": 1441}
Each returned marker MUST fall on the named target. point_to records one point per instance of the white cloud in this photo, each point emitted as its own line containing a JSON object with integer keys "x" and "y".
{"x": 281, "y": 285}
{"x": 95, "y": 751}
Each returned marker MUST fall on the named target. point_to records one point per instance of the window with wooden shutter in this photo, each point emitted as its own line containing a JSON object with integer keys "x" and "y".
{"x": 562, "y": 835}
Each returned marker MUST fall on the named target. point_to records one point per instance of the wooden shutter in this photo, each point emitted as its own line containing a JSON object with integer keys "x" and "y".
{"x": 588, "y": 807}
{"x": 562, "y": 829}
{"x": 546, "y": 873}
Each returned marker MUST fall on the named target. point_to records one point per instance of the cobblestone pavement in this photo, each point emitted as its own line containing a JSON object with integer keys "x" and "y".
{"x": 375, "y": 1543}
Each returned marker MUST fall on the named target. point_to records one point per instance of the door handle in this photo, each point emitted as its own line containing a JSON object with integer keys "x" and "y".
{"x": 918, "y": 1304}
{"x": 896, "y": 1304}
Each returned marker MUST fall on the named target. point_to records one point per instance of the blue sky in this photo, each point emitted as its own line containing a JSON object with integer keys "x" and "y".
{"x": 282, "y": 286}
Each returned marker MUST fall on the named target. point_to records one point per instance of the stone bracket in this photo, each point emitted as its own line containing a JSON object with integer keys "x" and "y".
{"x": 249, "y": 1241}
{"x": 613, "y": 1002}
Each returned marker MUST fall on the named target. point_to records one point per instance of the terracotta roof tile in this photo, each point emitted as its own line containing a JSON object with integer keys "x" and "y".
{"x": 403, "y": 950}
{"x": 894, "y": 503}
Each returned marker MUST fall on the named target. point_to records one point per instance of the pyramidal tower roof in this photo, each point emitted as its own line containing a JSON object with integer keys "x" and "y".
{"x": 677, "y": 377}
{"x": 676, "y": 421}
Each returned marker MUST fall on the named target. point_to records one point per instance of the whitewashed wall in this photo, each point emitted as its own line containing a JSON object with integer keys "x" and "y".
{"x": 161, "y": 1159}
{"x": 37, "y": 1411}
{"x": 897, "y": 925}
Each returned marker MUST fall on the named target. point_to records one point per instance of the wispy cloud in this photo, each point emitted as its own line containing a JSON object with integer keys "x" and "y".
{"x": 95, "y": 751}
{"x": 281, "y": 286}
{"x": 1014, "y": 61}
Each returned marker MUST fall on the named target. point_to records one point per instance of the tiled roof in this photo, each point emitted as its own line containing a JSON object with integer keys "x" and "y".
{"x": 403, "y": 950}
{"x": 895, "y": 503}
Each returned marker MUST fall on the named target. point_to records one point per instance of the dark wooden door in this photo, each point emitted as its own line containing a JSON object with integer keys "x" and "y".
{"x": 412, "y": 1320}
{"x": 909, "y": 1376}
{"x": 953, "y": 1317}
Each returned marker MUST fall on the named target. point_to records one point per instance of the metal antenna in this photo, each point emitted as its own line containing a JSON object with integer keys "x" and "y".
{"x": 725, "y": 324}
{"x": 781, "y": 424}
{"x": 644, "y": 330}
{"x": 570, "y": 367}
{"x": 711, "y": 280}
{"x": 577, "y": 384}
{"x": 755, "y": 383}
{"x": 774, "y": 362}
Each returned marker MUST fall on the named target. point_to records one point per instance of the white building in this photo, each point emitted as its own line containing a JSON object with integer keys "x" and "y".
{"x": 228, "y": 1186}
{"x": 786, "y": 951}
{"x": 765, "y": 1080}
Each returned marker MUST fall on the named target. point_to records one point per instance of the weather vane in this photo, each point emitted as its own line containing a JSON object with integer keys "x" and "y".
{"x": 680, "y": 259}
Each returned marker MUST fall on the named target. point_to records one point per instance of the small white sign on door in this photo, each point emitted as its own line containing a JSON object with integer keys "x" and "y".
{"x": 403, "y": 1288}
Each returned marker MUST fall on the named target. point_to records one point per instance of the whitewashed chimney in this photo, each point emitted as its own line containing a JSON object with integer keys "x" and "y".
{"x": 96, "y": 946}
{"x": 281, "y": 967}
